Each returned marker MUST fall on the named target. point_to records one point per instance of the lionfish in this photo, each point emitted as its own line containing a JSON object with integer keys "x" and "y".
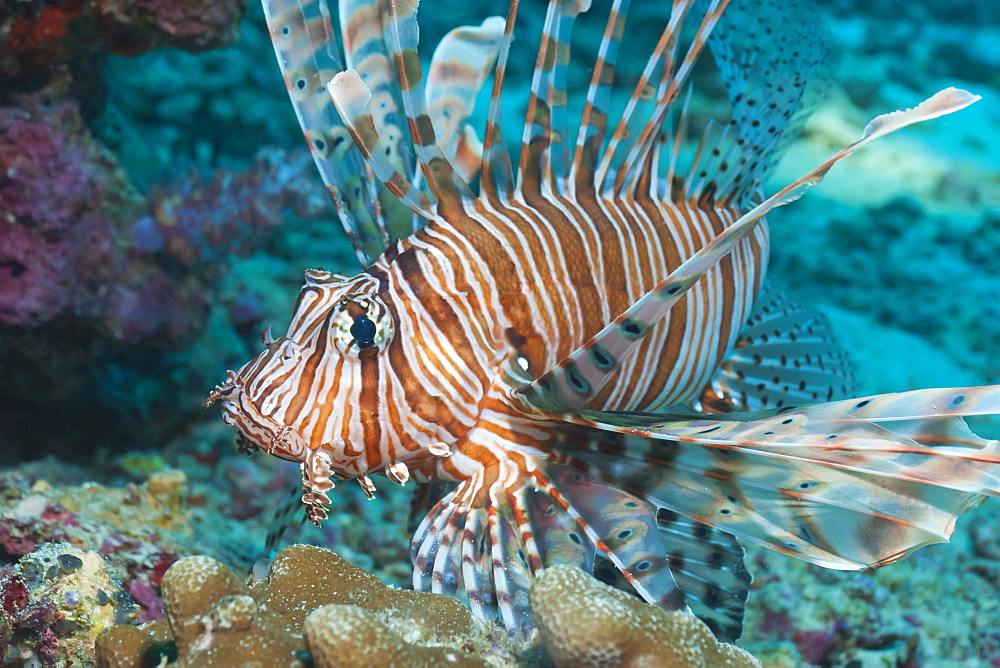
{"x": 584, "y": 343}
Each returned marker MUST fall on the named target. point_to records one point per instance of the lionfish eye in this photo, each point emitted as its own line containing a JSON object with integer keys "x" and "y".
{"x": 361, "y": 322}
{"x": 363, "y": 330}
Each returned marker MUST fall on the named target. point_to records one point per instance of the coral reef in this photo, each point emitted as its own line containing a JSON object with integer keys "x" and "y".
{"x": 314, "y": 608}
{"x": 99, "y": 284}
{"x": 142, "y": 528}
{"x": 140, "y": 256}
{"x": 218, "y": 502}
{"x": 584, "y": 622}
{"x": 53, "y": 604}
{"x": 64, "y": 202}
{"x": 80, "y": 240}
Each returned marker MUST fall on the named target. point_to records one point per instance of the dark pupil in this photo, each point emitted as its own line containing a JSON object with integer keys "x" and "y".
{"x": 363, "y": 331}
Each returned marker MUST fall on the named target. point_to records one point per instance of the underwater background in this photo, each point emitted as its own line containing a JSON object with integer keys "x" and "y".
{"x": 158, "y": 207}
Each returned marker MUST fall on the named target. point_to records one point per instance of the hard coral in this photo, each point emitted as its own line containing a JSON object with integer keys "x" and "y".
{"x": 584, "y": 622}
{"x": 316, "y": 609}
{"x": 346, "y": 635}
{"x": 217, "y": 620}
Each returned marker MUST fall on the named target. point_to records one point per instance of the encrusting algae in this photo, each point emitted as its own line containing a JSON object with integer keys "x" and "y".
{"x": 315, "y": 609}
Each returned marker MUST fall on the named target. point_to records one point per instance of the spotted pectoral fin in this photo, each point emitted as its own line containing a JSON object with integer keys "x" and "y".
{"x": 667, "y": 561}
{"x": 624, "y": 529}
{"x": 579, "y": 377}
{"x": 784, "y": 355}
{"x": 844, "y": 485}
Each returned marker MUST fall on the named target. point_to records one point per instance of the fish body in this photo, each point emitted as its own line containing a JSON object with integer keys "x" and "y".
{"x": 561, "y": 342}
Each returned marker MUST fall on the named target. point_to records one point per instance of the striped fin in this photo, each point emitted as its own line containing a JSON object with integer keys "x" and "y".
{"x": 845, "y": 485}
{"x": 629, "y": 142}
{"x": 448, "y": 187}
{"x": 352, "y": 99}
{"x": 544, "y": 152}
{"x": 594, "y": 121}
{"x": 917, "y": 436}
{"x": 436, "y": 549}
{"x": 482, "y": 535}
{"x": 363, "y": 28}
{"x": 306, "y": 49}
{"x": 560, "y": 539}
{"x": 784, "y": 355}
{"x": 765, "y": 79}
{"x": 497, "y": 179}
{"x": 579, "y": 377}
{"x": 362, "y": 24}
{"x": 708, "y": 567}
{"x": 835, "y": 519}
{"x": 460, "y": 64}
{"x": 627, "y": 531}
{"x": 490, "y": 529}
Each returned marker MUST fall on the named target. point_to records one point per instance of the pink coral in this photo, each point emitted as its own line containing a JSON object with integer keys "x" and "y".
{"x": 131, "y": 27}
{"x": 44, "y": 184}
{"x": 74, "y": 240}
{"x": 205, "y": 19}
{"x": 50, "y": 203}
{"x": 28, "y": 264}
{"x": 57, "y": 228}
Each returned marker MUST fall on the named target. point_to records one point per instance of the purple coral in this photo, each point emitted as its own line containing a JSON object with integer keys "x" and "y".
{"x": 74, "y": 240}
{"x": 51, "y": 201}
{"x": 814, "y": 646}
{"x": 195, "y": 220}
{"x": 206, "y": 23}
{"x": 44, "y": 183}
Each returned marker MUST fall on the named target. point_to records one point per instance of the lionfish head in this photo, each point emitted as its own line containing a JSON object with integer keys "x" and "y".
{"x": 301, "y": 394}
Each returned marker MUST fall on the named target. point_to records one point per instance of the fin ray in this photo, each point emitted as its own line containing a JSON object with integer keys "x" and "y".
{"x": 580, "y": 376}
{"x": 448, "y": 187}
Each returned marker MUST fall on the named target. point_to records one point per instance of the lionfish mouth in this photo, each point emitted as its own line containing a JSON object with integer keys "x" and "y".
{"x": 255, "y": 428}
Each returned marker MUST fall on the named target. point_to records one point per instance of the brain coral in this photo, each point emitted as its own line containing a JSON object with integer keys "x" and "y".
{"x": 584, "y": 622}
{"x": 285, "y": 620}
{"x": 315, "y": 609}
